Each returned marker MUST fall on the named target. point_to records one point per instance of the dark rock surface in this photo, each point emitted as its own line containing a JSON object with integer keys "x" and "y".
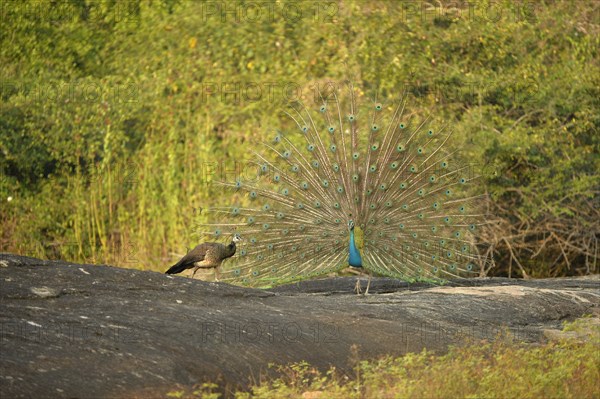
{"x": 78, "y": 331}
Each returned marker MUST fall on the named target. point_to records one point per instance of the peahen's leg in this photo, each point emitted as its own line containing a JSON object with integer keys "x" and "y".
{"x": 194, "y": 272}
{"x": 217, "y": 274}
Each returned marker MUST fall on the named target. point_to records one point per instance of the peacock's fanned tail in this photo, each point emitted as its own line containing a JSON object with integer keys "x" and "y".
{"x": 415, "y": 204}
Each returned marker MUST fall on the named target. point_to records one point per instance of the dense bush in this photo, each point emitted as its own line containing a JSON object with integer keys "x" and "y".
{"x": 111, "y": 136}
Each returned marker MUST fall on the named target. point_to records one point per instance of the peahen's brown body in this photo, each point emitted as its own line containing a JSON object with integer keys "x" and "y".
{"x": 208, "y": 255}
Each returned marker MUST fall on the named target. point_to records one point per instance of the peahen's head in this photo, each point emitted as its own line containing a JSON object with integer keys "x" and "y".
{"x": 236, "y": 238}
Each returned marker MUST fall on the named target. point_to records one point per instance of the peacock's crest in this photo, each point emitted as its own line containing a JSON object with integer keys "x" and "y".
{"x": 412, "y": 205}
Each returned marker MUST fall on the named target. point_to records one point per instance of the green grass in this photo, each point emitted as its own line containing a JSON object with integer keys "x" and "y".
{"x": 565, "y": 368}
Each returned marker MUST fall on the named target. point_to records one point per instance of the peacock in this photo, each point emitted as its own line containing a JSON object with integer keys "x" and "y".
{"x": 370, "y": 185}
{"x": 208, "y": 255}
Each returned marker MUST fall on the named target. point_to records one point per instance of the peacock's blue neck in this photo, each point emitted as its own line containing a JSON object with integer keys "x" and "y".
{"x": 354, "y": 259}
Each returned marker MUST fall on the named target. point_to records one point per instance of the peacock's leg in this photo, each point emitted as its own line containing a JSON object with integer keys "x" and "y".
{"x": 357, "y": 288}
{"x": 368, "y": 284}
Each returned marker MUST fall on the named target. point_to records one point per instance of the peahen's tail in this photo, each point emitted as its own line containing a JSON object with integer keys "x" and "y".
{"x": 396, "y": 177}
{"x": 177, "y": 268}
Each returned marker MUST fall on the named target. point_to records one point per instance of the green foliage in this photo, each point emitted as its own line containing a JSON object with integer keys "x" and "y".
{"x": 503, "y": 368}
{"x": 111, "y": 137}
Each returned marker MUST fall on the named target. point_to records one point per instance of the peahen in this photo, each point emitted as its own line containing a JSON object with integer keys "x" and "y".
{"x": 208, "y": 255}
{"x": 370, "y": 187}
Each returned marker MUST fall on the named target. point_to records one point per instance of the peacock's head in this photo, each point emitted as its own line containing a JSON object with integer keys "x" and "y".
{"x": 237, "y": 238}
{"x": 350, "y": 224}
